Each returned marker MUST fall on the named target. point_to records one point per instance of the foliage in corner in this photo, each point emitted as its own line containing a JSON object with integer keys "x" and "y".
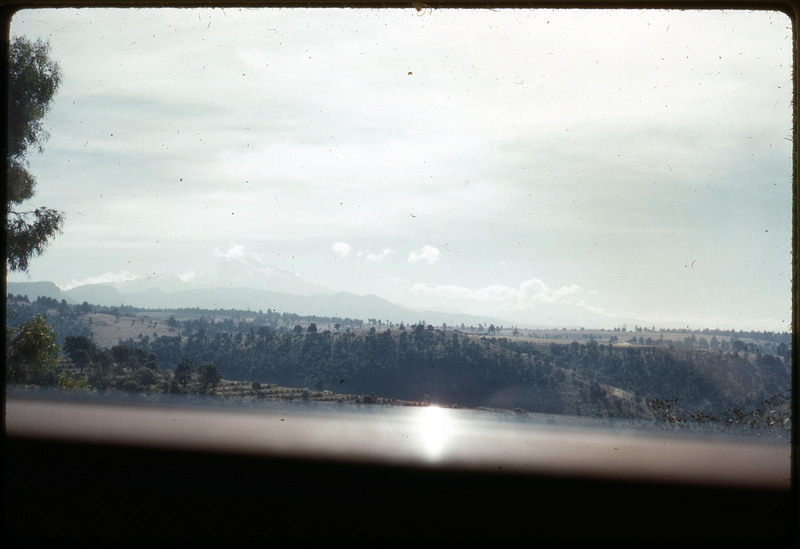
{"x": 33, "y": 79}
{"x": 33, "y": 352}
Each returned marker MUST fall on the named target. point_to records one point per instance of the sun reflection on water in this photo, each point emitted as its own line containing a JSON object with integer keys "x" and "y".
{"x": 435, "y": 427}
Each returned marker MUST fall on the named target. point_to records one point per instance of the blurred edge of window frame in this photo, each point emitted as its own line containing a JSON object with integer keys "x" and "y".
{"x": 790, "y": 7}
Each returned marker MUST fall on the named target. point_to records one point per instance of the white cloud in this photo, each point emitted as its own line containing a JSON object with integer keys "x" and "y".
{"x": 233, "y": 253}
{"x": 536, "y": 290}
{"x": 237, "y": 266}
{"x": 341, "y": 249}
{"x": 187, "y": 276}
{"x": 379, "y": 256}
{"x": 527, "y": 294}
{"x": 237, "y": 253}
{"x": 427, "y": 253}
{"x": 107, "y": 278}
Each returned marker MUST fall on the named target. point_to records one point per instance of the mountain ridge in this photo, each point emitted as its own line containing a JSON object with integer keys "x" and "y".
{"x": 336, "y": 304}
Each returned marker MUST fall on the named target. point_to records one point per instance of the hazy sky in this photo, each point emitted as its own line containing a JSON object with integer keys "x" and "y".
{"x": 546, "y": 167}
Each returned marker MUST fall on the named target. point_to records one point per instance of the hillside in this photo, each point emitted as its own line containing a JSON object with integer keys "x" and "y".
{"x": 567, "y": 372}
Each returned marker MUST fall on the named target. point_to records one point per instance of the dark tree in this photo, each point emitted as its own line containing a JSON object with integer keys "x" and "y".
{"x": 33, "y": 79}
{"x": 33, "y": 351}
{"x": 123, "y": 355}
{"x": 739, "y": 346}
{"x": 209, "y": 376}
{"x": 184, "y": 371}
{"x": 151, "y": 362}
{"x": 103, "y": 362}
{"x": 80, "y": 350}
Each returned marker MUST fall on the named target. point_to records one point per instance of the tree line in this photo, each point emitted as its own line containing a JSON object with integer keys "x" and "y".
{"x": 453, "y": 368}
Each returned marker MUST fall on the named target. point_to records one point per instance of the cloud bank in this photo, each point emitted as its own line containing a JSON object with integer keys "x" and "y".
{"x": 528, "y": 294}
{"x": 426, "y": 254}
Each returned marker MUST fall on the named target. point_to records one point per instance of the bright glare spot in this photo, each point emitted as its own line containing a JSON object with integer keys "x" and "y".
{"x": 435, "y": 425}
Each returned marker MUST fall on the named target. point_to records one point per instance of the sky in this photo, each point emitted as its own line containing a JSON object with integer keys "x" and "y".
{"x": 551, "y": 168}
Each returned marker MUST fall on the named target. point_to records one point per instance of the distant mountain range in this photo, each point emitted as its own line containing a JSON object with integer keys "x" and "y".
{"x": 339, "y": 304}
{"x": 35, "y": 289}
{"x": 265, "y": 278}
